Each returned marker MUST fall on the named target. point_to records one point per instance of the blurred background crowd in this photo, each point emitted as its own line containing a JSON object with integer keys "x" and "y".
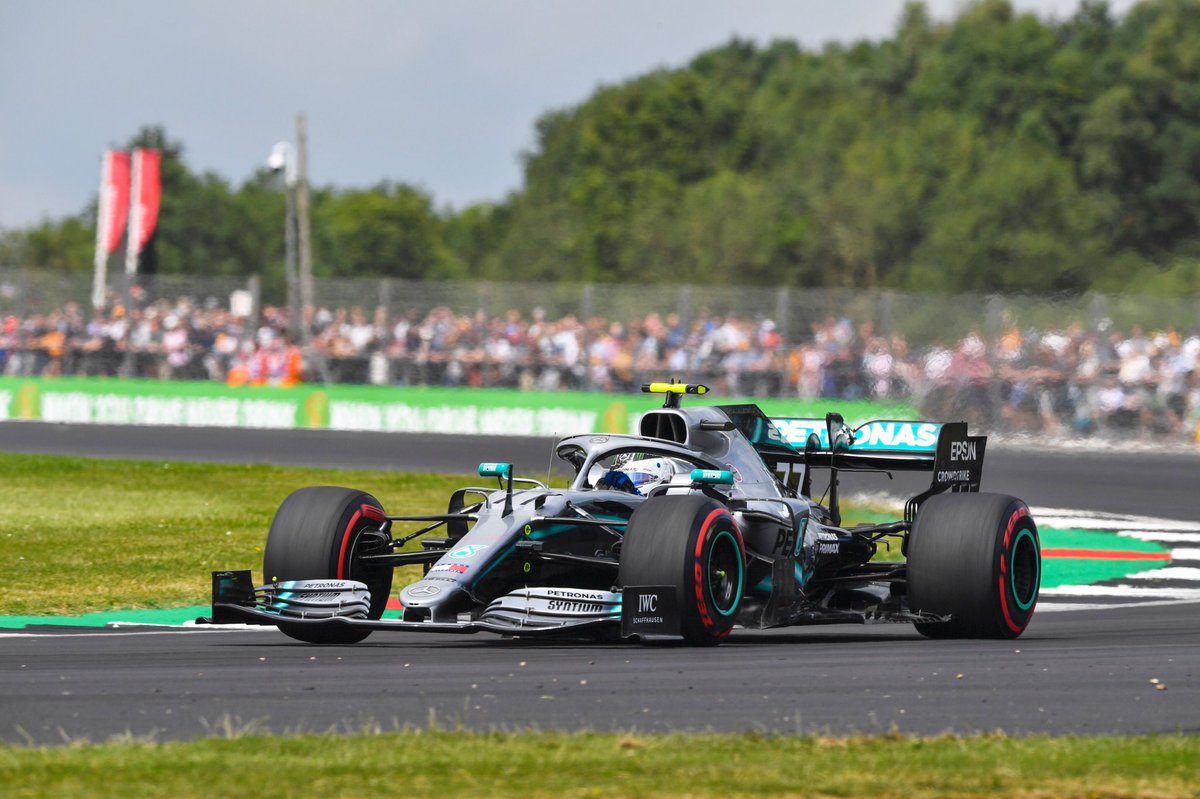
{"x": 1059, "y": 381}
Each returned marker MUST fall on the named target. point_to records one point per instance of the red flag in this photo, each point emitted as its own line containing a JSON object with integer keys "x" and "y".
{"x": 149, "y": 193}
{"x": 143, "y": 207}
{"x": 111, "y": 211}
{"x": 114, "y": 200}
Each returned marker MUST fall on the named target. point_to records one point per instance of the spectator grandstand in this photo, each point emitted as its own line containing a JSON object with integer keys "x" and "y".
{"x": 1071, "y": 380}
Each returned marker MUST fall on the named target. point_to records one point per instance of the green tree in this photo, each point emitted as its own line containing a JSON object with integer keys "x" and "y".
{"x": 474, "y": 234}
{"x": 390, "y": 230}
{"x": 1017, "y": 223}
{"x": 67, "y": 245}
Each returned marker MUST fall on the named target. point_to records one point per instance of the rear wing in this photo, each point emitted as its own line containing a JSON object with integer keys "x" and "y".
{"x": 954, "y": 457}
{"x": 793, "y": 447}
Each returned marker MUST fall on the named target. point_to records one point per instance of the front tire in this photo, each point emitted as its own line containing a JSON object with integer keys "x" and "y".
{"x": 976, "y": 558}
{"x": 321, "y": 533}
{"x": 692, "y": 543}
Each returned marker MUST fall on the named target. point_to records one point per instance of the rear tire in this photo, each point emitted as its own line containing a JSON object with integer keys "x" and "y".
{"x": 976, "y": 558}
{"x": 320, "y": 533}
{"x": 692, "y": 543}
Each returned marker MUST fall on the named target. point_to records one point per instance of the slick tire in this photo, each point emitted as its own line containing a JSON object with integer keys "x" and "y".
{"x": 320, "y": 533}
{"x": 692, "y": 543}
{"x": 976, "y": 558}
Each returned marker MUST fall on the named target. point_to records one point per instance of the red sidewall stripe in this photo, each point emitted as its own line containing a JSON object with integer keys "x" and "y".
{"x": 1018, "y": 514}
{"x": 370, "y": 512}
{"x": 341, "y": 563}
{"x": 698, "y": 567}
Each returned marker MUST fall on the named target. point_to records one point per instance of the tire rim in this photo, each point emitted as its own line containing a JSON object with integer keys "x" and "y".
{"x": 1024, "y": 570}
{"x": 725, "y": 573}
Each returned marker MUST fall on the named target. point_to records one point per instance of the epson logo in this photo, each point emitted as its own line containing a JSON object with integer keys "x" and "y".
{"x": 962, "y": 450}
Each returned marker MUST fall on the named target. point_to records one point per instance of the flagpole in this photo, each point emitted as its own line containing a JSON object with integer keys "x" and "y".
{"x": 103, "y": 217}
{"x": 134, "y": 239}
{"x": 302, "y": 222}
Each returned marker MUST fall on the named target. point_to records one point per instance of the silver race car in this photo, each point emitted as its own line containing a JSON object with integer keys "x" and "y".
{"x": 702, "y": 523}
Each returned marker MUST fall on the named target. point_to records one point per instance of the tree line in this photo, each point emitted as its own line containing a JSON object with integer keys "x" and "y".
{"x": 996, "y": 151}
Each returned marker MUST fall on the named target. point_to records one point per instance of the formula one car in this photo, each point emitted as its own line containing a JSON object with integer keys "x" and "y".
{"x": 701, "y": 523}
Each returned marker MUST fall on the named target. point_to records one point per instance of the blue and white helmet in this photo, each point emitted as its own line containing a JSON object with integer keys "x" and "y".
{"x": 642, "y": 475}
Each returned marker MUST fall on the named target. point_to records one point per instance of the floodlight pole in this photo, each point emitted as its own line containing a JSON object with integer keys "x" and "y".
{"x": 306, "y": 278}
{"x": 289, "y": 243}
{"x": 283, "y": 157}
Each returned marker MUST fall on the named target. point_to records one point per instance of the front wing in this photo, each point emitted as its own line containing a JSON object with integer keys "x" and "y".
{"x": 339, "y": 604}
{"x": 641, "y": 611}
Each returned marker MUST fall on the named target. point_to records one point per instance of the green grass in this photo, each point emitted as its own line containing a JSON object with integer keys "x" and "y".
{"x": 452, "y": 764}
{"x": 80, "y": 535}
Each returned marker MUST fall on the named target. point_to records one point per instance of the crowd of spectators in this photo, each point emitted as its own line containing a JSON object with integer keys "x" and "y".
{"x": 1072, "y": 381}
{"x": 1055, "y": 381}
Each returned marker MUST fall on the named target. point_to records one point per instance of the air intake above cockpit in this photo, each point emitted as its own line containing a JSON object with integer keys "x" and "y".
{"x": 665, "y": 425}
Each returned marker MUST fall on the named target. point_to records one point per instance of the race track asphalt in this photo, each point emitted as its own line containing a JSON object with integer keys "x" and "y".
{"x": 1074, "y": 672}
{"x": 1079, "y": 673}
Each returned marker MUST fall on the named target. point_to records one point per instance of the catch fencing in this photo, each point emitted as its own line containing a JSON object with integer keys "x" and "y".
{"x": 922, "y": 318}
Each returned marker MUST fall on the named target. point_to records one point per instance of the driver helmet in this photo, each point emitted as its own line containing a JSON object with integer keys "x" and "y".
{"x": 642, "y": 475}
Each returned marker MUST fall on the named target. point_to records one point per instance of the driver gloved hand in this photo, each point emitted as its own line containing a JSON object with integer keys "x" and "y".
{"x": 617, "y": 480}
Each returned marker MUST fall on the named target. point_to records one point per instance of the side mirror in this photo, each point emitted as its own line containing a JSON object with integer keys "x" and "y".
{"x": 500, "y": 471}
{"x": 712, "y": 477}
{"x": 841, "y": 437}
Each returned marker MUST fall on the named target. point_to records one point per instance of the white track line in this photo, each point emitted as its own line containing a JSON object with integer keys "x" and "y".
{"x": 1185, "y": 554}
{"x": 1162, "y": 538}
{"x": 1057, "y": 607}
{"x": 1128, "y": 591}
{"x": 1169, "y": 573}
{"x": 1078, "y": 520}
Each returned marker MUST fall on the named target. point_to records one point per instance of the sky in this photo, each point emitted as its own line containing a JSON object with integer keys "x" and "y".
{"x": 443, "y": 94}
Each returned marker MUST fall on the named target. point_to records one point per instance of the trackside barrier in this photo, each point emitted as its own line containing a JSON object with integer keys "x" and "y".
{"x": 491, "y": 412}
